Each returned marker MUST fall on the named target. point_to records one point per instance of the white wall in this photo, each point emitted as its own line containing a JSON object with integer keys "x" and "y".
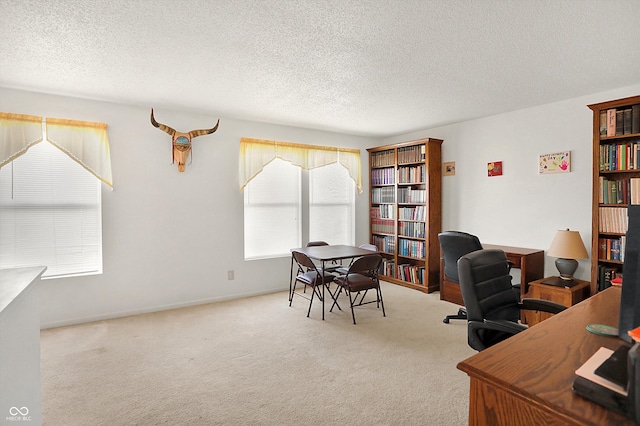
{"x": 169, "y": 238}
{"x": 521, "y": 207}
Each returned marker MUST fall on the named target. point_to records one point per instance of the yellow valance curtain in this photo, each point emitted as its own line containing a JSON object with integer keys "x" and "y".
{"x": 18, "y": 133}
{"x": 255, "y": 154}
{"x": 83, "y": 141}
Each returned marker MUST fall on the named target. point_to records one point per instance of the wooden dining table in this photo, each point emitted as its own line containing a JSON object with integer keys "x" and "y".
{"x": 330, "y": 253}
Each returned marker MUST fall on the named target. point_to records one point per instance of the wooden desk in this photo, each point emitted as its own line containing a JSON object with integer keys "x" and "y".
{"x": 329, "y": 253}
{"x": 527, "y": 379}
{"x": 529, "y": 261}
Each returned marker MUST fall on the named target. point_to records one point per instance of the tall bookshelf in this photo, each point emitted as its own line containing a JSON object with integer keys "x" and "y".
{"x": 406, "y": 211}
{"x": 616, "y": 184}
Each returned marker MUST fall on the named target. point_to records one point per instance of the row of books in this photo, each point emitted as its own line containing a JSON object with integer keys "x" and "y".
{"x": 412, "y": 213}
{"x": 382, "y": 158}
{"x": 385, "y": 243}
{"x": 383, "y": 195}
{"x": 383, "y": 176}
{"x": 606, "y": 274}
{"x": 411, "y": 273}
{"x": 384, "y": 211}
{"x": 413, "y": 174}
{"x": 619, "y": 191}
{"x": 411, "y": 154}
{"x": 387, "y": 267}
{"x": 612, "y": 248}
{"x": 411, "y": 248}
{"x": 409, "y": 195}
{"x": 623, "y": 156}
{"x": 411, "y": 229}
{"x": 620, "y": 121}
{"x": 382, "y": 226}
{"x": 613, "y": 219}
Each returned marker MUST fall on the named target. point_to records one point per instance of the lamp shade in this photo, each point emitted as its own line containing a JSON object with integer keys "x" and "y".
{"x": 567, "y": 245}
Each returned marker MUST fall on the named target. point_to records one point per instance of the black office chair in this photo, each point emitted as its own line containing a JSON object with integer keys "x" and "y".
{"x": 493, "y": 308}
{"x": 454, "y": 244}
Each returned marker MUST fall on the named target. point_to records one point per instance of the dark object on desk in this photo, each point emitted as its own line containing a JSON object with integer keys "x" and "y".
{"x": 614, "y": 368}
{"x": 559, "y": 282}
{"x": 361, "y": 277}
{"x": 454, "y": 245}
{"x": 493, "y": 308}
{"x": 630, "y": 298}
{"x": 615, "y": 383}
{"x": 601, "y": 395}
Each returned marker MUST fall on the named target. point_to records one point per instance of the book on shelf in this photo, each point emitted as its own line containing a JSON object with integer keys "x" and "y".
{"x": 626, "y": 121}
{"x": 603, "y": 123}
{"x": 619, "y": 122}
{"x": 611, "y": 122}
{"x": 635, "y": 119}
{"x": 605, "y": 276}
{"x": 613, "y": 220}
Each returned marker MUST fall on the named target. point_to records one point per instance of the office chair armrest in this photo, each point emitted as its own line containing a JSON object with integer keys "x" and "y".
{"x": 477, "y": 342}
{"x": 497, "y": 325}
{"x": 541, "y": 305}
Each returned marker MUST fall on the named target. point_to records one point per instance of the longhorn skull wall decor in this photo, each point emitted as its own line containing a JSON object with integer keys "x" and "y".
{"x": 181, "y": 141}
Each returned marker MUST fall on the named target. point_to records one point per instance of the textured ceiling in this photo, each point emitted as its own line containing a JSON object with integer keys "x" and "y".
{"x": 369, "y": 67}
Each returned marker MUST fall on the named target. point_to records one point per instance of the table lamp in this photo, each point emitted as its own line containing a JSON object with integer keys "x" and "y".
{"x": 567, "y": 246}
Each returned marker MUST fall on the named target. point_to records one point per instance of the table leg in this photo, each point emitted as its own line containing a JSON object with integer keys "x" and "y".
{"x": 323, "y": 292}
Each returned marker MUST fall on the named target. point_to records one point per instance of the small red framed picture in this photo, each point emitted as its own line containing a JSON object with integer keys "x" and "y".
{"x": 494, "y": 168}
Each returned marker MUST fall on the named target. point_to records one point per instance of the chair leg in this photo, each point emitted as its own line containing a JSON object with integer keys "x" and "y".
{"x": 292, "y": 291}
{"x": 313, "y": 293}
{"x": 461, "y": 315}
{"x": 379, "y": 295}
{"x": 353, "y": 315}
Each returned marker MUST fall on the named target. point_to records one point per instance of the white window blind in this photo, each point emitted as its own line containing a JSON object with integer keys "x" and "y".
{"x": 50, "y": 214}
{"x": 331, "y": 205}
{"x": 272, "y": 205}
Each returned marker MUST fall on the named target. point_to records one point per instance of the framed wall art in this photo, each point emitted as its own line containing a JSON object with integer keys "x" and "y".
{"x": 494, "y": 168}
{"x": 558, "y": 162}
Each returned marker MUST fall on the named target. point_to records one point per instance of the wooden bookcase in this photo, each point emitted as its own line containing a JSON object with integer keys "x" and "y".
{"x": 406, "y": 211}
{"x": 616, "y": 184}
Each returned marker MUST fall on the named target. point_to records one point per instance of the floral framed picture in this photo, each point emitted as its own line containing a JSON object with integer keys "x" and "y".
{"x": 558, "y": 162}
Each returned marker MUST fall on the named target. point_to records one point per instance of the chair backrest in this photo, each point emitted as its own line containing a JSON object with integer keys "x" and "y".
{"x": 454, "y": 245}
{"x": 317, "y": 243}
{"x": 486, "y": 286}
{"x": 304, "y": 261}
{"x": 366, "y": 265}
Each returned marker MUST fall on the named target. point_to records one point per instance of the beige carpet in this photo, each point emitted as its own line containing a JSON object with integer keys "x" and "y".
{"x": 257, "y": 361}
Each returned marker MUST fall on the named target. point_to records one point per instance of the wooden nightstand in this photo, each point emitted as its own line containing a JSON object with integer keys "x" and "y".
{"x": 567, "y": 296}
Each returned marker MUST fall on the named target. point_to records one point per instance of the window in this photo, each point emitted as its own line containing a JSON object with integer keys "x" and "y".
{"x": 295, "y": 192}
{"x": 331, "y": 205}
{"x": 274, "y": 221}
{"x": 50, "y": 214}
{"x": 272, "y": 211}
